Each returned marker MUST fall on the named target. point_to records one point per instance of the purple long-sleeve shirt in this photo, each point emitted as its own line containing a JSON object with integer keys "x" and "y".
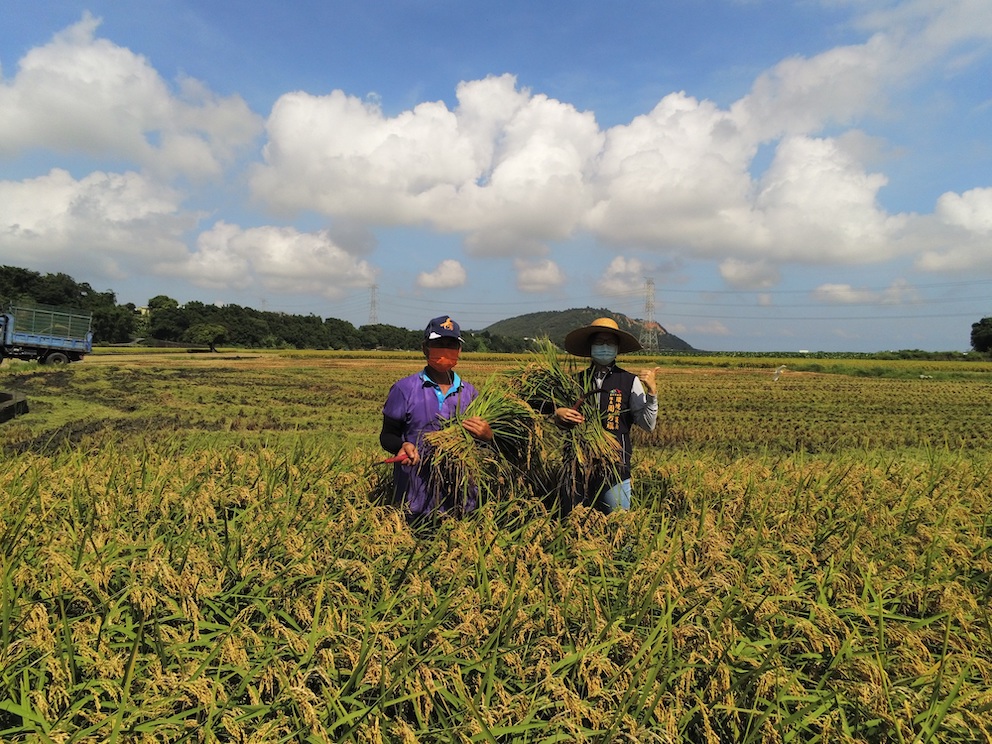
{"x": 417, "y": 402}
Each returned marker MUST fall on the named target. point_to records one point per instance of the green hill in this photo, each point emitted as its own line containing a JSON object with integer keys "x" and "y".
{"x": 555, "y": 324}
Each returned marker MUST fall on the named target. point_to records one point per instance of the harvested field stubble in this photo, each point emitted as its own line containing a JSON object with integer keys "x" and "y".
{"x": 237, "y": 584}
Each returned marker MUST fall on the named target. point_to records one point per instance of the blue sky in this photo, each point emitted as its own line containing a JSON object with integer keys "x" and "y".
{"x": 810, "y": 175}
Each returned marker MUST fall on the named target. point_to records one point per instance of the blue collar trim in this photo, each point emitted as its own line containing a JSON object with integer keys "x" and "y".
{"x": 456, "y": 383}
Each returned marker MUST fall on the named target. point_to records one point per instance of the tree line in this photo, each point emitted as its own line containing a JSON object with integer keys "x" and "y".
{"x": 164, "y": 320}
{"x": 196, "y": 323}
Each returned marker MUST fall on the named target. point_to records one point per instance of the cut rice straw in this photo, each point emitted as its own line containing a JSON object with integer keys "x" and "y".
{"x": 468, "y": 465}
{"x": 575, "y": 457}
{"x": 530, "y": 457}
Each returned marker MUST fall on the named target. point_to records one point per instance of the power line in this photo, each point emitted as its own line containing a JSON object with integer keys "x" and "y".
{"x": 775, "y": 292}
{"x": 723, "y": 304}
{"x": 354, "y": 301}
{"x": 738, "y": 316}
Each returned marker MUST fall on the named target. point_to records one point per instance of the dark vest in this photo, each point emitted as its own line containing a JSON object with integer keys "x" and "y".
{"x": 614, "y": 407}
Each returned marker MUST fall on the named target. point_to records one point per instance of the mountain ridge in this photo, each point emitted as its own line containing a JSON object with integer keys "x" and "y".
{"x": 555, "y": 325}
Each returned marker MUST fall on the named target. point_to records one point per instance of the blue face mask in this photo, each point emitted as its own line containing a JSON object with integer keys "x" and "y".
{"x": 604, "y": 354}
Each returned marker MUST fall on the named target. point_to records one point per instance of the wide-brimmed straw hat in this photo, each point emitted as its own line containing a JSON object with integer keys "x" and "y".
{"x": 577, "y": 342}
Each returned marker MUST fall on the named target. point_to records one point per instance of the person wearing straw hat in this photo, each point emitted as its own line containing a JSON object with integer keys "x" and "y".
{"x": 415, "y": 406}
{"x": 625, "y": 400}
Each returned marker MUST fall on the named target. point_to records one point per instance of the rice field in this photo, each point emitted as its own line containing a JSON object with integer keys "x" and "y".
{"x": 194, "y": 548}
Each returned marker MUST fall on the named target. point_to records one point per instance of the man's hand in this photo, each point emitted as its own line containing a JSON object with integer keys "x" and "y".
{"x": 412, "y": 456}
{"x": 478, "y": 428}
{"x": 568, "y": 417}
{"x": 647, "y": 380}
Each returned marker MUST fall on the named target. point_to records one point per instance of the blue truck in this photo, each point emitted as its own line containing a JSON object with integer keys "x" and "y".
{"x": 50, "y": 335}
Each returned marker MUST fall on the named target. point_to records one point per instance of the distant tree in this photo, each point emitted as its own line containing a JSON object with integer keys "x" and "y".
{"x": 92, "y": 300}
{"x": 162, "y": 302}
{"x": 301, "y": 331}
{"x": 167, "y": 323}
{"x": 254, "y": 331}
{"x": 475, "y": 342}
{"x": 210, "y": 334}
{"x": 341, "y": 334}
{"x": 981, "y": 335}
{"x": 59, "y": 290}
{"x": 16, "y": 285}
{"x": 165, "y": 320}
{"x": 382, "y": 336}
{"x": 114, "y": 325}
{"x": 236, "y": 320}
{"x": 486, "y": 341}
{"x": 140, "y": 321}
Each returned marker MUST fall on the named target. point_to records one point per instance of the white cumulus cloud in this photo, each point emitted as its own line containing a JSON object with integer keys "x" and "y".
{"x": 971, "y": 210}
{"x": 505, "y": 167}
{"x": 79, "y": 93}
{"x": 955, "y": 238}
{"x": 621, "y": 276}
{"x": 900, "y": 292}
{"x": 281, "y": 259}
{"x": 821, "y": 206}
{"x": 447, "y": 275}
{"x": 109, "y": 224}
{"x": 539, "y": 275}
{"x": 844, "y": 294}
{"x": 757, "y": 274}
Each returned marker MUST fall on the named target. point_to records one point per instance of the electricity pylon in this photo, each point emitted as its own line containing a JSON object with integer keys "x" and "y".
{"x": 649, "y": 330}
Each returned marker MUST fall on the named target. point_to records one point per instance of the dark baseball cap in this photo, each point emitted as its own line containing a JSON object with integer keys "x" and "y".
{"x": 442, "y": 327}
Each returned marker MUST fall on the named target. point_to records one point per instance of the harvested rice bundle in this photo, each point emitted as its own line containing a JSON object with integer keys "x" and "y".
{"x": 530, "y": 456}
{"x": 470, "y": 466}
{"x": 570, "y": 459}
{"x": 588, "y": 455}
{"x": 544, "y": 381}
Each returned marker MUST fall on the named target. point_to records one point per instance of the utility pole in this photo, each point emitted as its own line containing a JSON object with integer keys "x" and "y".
{"x": 649, "y": 331}
{"x": 373, "y": 305}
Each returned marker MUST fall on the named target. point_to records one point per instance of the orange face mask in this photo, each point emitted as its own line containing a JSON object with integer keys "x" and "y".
{"x": 443, "y": 360}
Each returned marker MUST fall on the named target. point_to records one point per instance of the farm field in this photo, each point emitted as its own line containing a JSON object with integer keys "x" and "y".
{"x": 193, "y": 548}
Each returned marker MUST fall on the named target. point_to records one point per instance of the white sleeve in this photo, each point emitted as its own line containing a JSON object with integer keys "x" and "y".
{"x": 643, "y": 407}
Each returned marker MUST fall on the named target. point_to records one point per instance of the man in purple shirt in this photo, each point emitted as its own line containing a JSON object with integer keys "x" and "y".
{"x": 416, "y": 405}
